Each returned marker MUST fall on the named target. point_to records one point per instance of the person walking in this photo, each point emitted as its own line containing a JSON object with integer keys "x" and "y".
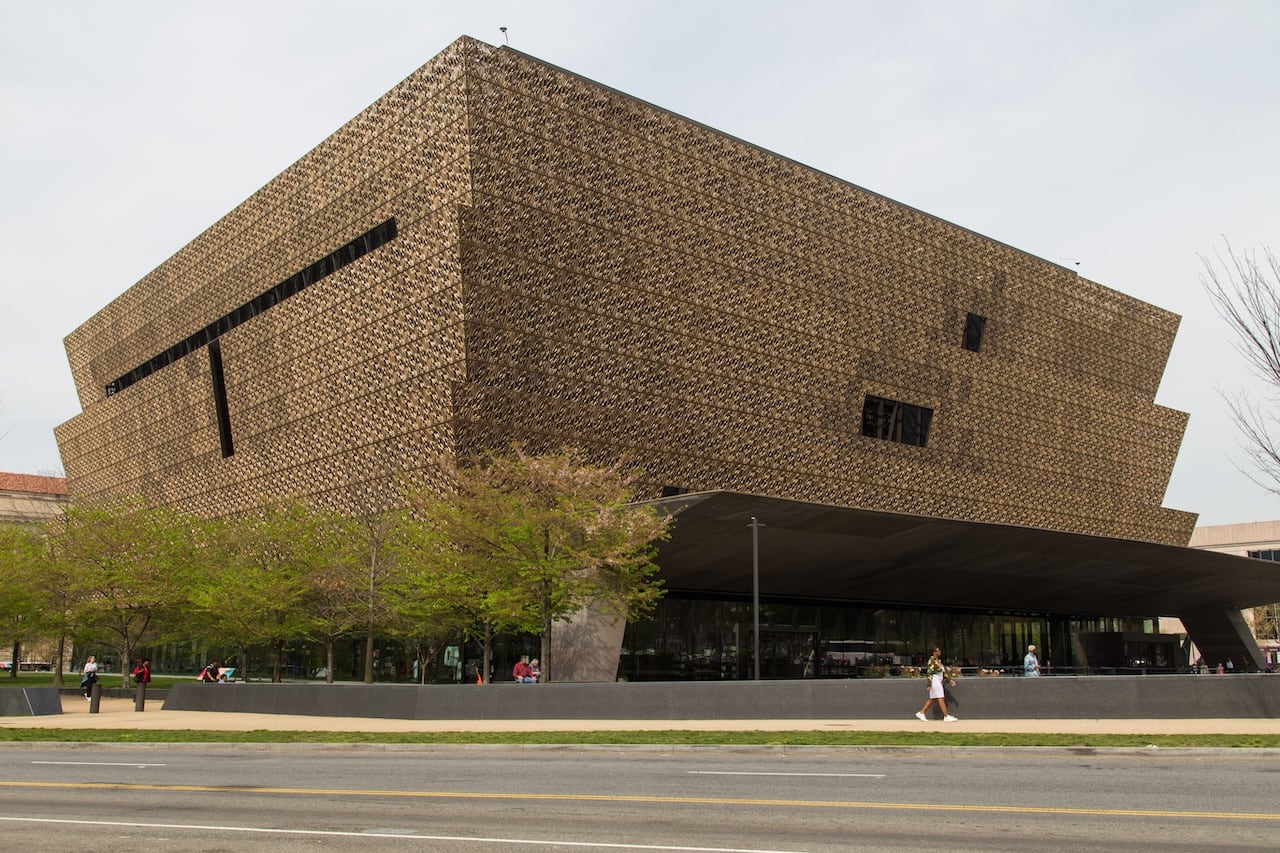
{"x": 937, "y": 673}
{"x": 1031, "y": 663}
{"x": 89, "y": 677}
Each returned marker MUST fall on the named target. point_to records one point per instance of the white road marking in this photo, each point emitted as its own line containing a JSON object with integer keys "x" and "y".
{"x": 101, "y": 763}
{"x": 318, "y": 833}
{"x": 772, "y": 773}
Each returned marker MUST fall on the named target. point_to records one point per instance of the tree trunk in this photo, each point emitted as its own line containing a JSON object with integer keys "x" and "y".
{"x": 14, "y": 664}
{"x": 126, "y": 662}
{"x": 58, "y": 657}
{"x": 368, "y": 655}
{"x": 277, "y": 665}
{"x": 545, "y": 645}
{"x": 328, "y": 661}
{"x": 486, "y": 653}
{"x": 243, "y": 662}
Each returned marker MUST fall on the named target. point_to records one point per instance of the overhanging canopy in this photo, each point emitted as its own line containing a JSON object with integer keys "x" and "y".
{"x": 819, "y": 551}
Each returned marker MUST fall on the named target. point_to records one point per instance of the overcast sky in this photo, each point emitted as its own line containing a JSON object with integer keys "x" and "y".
{"x": 1129, "y": 138}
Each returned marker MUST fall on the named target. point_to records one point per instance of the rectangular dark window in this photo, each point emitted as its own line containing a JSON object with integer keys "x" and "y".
{"x": 894, "y": 420}
{"x": 1269, "y": 554}
{"x": 220, "y": 399}
{"x": 973, "y": 326}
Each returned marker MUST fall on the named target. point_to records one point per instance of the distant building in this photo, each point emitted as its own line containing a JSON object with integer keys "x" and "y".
{"x": 1261, "y": 541}
{"x": 947, "y": 440}
{"x": 30, "y": 499}
{"x": 26, "y": 498}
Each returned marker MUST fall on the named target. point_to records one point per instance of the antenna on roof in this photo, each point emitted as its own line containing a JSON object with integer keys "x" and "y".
{"x": 504, "y": 36}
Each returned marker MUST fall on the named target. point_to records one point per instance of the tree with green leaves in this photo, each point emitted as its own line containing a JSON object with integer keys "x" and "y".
{"x": 20, "y": 551}
{"x": 126, "y": 568}
{"x": 54, "y": 592}
{"x": 424, "y": 614}
{"x": 333, "y": 600}
{"x": 262, "y": 572}
{"x": 373, "y": 536}
{"x": 536, "y": 538}
{"x": 450, "y": 581}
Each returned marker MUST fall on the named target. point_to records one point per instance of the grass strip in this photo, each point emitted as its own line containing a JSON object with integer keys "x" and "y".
{"x": 647, "y": 738}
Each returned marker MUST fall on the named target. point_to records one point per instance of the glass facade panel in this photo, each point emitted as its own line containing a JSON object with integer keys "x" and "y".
{"x": 698, "y": 638}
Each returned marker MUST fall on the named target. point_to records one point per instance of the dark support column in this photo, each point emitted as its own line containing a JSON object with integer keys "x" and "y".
{"x": 95, "y": 697}
{"x": 140, "y": 697}
{"x": 1222, "y": 634}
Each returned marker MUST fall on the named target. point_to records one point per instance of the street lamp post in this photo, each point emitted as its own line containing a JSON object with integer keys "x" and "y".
{"x": 755, "y": 591}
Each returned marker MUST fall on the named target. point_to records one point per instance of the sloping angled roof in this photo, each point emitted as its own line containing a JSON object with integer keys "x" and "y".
{"x": 34, "y": 483}
{"x": 829, "y": 552}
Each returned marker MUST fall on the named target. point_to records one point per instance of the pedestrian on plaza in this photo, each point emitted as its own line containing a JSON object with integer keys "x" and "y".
{"x": 1231, "y": 667}
{"x": 142, "y": 672}
{"x": 1031, "y": 663}
{"x": 937, "y": 673}
{"x": 535, "y": 670}
{"x": 89, "y": 676}
{"x": 209, "y": 675}
{"x": 521, "y": 671}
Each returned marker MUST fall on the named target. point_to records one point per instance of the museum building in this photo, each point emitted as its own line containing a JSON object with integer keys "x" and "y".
{"x": 941, "y": 439}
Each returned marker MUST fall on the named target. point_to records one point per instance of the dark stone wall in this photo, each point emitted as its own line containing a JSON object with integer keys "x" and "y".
{"x": 1109, "y": 697}
{"x": 29, "y": 701}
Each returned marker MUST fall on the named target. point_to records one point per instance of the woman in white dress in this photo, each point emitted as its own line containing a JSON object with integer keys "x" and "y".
{"x": 937, "y": 671}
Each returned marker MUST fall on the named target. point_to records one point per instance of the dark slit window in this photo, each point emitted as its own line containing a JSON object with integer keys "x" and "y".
{"x": 328, "y": 265}
{"x": 973, "y": 326}
{"x": 220, "y": 399}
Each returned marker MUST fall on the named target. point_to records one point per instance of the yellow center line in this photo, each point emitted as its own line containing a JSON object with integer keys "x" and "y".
{"x": 652, "y": 799}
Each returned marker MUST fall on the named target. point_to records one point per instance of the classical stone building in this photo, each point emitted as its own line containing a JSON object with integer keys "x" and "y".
{"x": 27, "y": 498}
{"x": 498, "y": 249}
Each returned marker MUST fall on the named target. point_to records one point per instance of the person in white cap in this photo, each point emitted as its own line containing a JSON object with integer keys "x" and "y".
{"x": 1031, "y": 663}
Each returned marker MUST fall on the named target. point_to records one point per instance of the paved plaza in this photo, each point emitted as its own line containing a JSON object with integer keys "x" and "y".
{"x": 120, "y": 714}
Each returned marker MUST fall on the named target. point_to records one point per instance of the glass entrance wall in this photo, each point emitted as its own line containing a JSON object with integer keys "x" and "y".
{"x": 691, "y": 638}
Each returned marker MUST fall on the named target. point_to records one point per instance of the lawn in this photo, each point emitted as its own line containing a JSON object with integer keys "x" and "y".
{"x": 72, "y": 679}
{"x": 675, "y": 737}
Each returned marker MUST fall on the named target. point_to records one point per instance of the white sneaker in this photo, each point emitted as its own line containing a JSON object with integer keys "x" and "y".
{"x": 948, "y": 719}
{"x": 920, "y": 716}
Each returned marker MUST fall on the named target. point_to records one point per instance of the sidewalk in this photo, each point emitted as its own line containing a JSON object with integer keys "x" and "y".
{"x": 120, "y": 714}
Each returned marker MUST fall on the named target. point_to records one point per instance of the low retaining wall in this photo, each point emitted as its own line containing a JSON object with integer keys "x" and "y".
{"x": 29, "y": 701}
{"x": 1099, "y": 697}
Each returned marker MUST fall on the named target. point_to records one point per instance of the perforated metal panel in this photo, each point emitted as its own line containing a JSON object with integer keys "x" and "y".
{"x": 575, "y": 266}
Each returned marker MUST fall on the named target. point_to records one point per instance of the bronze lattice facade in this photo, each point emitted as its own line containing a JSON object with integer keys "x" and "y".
{"x": 560, "y": 263}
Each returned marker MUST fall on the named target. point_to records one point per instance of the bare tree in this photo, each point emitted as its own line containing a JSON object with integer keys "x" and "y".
{"x": 1244, "y": 288}
{"x": 1245, "y": 291}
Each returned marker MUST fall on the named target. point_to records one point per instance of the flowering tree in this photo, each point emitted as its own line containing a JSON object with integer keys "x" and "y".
{"x": 532, "y": 539}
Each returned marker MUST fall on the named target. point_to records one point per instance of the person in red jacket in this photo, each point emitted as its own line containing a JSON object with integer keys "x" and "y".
{"x": 142, "y": 672}
{"x": 521, "y": 671}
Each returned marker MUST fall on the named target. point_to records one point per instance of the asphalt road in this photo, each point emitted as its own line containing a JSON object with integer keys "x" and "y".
{"x": 233, "y": 797}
